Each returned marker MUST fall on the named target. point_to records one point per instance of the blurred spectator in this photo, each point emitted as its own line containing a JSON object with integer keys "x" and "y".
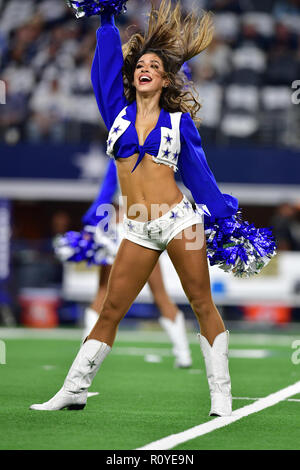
{"x": 282, "y": 68}
{"x": 217, "y": 56}
{"x": 224, "y": 5}
{"x": 13, "y": 115}
{"x": 49, "y": 107}
{"x": 227, "y": 27}
{"x": 33, "y": 261}
{"x": 60, "y": 223}
{"x": 284, "y": 37}
{"x": 286, "y": 227}
{"x": 46, "y": 56}
{"x": 283, "y": 7}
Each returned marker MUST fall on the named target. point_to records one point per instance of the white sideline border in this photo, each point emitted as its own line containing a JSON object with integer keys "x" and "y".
{"x": 157, "y": 336}
{"x": 174, "y": 440}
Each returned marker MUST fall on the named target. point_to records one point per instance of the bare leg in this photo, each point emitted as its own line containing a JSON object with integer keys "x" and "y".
{"x": 165, "y": 305}
{"x": 171, "y": 319}
{"x": 130, "y": 271}
{"x": 91, "y": 313}
{"x": 192, "y": 269}
{"x": 103, "y": 283}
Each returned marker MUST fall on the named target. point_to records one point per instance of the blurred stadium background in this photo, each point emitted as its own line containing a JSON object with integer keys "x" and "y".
{"x": 52, "y": 161}
{"x": 53, "y": 156}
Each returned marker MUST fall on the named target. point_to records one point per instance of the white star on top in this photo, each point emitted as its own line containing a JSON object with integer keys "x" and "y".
{"x": 92, "y": 163}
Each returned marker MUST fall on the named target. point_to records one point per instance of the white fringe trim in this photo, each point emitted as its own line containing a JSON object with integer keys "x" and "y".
{"x": 164, "y": 162}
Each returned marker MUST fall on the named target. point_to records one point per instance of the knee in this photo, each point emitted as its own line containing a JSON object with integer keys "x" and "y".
{"x": 111, "y": 312}
{"x": 159, "y": 298}
{"x": 202, "y": 305}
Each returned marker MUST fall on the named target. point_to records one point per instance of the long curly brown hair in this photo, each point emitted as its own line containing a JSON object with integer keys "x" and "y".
{"x": 175, "y": 40}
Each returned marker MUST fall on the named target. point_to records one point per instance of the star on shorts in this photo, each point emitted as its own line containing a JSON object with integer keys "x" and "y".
{"x": 174, "y": 215}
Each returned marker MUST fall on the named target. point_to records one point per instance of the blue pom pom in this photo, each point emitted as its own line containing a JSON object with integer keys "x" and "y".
{"x": 96, "y": 7}
{"x": 237, "y": 246}
{"x": 82, "y": 246}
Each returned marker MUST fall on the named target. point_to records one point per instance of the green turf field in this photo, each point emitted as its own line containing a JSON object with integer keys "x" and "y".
{"x": 141, "y": 401}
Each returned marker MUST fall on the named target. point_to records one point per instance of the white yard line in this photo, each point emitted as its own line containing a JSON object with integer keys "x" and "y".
{"x": 250, "y": 353}
{"x": 253, "y": 399}
{"x": 140, "y": 336}
{"x": 174, "y": 440}
{"x": 233, "y": 353}
{"x": 48, "y": 367}
{"x": 92, "y": 394}
{"x": 132, "y": 351}
{"x": 245, "y": 398}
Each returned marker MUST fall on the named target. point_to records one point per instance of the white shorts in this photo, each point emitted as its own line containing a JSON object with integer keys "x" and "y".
{"x": 157, "y": 233}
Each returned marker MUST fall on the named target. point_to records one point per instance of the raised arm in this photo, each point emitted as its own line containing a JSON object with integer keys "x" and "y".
{"x": 106, "y": 74}
{"x": 196, "y": 174}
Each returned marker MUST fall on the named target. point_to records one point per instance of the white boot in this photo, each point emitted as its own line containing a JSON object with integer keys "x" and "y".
{"x": 89, "y": 321}
{"x": 216, "y": 362}
{"x": 73, "y": 394}
{"x": 177, "y": 334}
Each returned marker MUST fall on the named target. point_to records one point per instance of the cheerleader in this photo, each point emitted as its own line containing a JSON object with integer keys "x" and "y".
{"x": 100, "y": 249}
{"x": 149, "y": 111}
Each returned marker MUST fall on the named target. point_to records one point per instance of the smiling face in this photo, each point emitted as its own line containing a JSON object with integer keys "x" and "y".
{"x": 149, "y": 73}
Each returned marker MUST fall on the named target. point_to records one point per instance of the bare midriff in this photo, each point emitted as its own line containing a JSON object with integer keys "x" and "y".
{"x": 150, "y": 191}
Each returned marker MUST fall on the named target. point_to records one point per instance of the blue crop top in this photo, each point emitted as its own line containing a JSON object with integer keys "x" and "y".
{"x": 128, "y": 143}
{"x": 107, "y": 81}
{"x": 163, "y": 142}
